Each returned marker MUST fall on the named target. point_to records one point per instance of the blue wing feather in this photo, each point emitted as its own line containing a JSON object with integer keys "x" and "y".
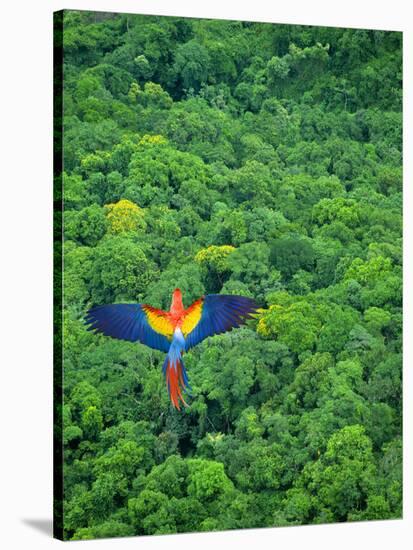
{"x": 125, "y": 322}
{"x": 220, "y": 313}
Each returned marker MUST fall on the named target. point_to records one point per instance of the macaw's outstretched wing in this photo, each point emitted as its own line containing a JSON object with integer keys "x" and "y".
{"x": 213, "y": 314}
{"x": 133, "y": 322}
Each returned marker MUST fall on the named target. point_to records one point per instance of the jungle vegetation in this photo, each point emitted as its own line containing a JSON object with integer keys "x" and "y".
{"x": 237, "y": 158}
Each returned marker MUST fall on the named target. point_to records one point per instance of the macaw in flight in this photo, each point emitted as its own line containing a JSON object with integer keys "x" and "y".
{"x": 174, "y": 331}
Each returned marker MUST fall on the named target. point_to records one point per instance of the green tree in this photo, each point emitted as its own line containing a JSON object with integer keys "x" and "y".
{"x": 191, "y": 65}
{"x": 121, "y": 270}
{"x": 236, "y": 158}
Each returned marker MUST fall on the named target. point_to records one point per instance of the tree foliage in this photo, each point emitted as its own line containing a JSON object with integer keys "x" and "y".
{"x": 235, "y": 158}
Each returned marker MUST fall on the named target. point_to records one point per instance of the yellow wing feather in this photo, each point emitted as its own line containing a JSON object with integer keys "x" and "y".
{"x": 159, "y": 321}
{"x": 192, "y": 317}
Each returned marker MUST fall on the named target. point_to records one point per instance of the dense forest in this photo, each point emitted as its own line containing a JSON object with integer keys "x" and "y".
{"x": 238, "y": 158}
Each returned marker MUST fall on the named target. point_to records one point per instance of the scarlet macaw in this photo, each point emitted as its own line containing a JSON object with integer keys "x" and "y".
{"x": 174, "y": 331}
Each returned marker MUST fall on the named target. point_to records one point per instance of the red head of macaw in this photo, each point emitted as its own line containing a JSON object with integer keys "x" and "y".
{"x": 174, "y": 331}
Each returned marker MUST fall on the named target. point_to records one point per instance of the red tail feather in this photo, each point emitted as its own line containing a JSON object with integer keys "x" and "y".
{"x": 174, "y": 383}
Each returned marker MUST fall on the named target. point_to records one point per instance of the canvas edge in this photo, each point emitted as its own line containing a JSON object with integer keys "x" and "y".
{"x": 58, "y": 531}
